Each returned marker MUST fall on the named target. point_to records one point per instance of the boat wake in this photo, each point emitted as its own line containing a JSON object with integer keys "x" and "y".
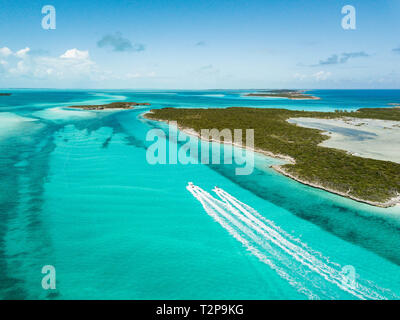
{"x": 305, "y": 269}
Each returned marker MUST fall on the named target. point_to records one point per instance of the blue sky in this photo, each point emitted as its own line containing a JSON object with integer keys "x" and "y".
{"x": 193, "y": 44}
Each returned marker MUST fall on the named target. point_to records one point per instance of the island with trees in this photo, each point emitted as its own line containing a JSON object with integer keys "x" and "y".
{"x": 111, "y": 106}
{"x": 283, "y": 93}
{"x": 367, "y": 180}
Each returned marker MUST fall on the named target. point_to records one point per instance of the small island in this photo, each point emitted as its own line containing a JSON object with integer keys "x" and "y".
{"x": 284, "y": 93}
{"x": 309, "y": 161}
{"x": 5, "y": 94}
{"x": 111, "y": 106}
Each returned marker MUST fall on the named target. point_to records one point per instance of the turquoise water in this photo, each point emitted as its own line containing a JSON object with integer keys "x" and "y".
{"x": 76, "y": 192}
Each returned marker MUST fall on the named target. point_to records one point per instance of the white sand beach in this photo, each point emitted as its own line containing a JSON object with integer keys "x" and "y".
{"x": 11, "y": 123}
{"x": 368, "y": 138}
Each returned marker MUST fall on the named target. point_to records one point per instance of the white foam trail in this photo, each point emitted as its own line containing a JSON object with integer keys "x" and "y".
{"x": 262, "y": 257}
{"x": 305, "y": 258}
{"x": 276, "y": 248}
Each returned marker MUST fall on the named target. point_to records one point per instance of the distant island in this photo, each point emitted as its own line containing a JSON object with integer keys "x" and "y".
{"x": 376, "y": 182}
{"x": 284, "y": 93}
{"x": 113, "y": 105}
{"x": 5, "y": 94}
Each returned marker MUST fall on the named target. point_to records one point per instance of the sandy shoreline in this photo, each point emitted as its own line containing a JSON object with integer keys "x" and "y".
{"x": 105, "y": 109}
{"x": 278, "y": 168}
{"x": 192, "y": 132}
{"x": 117, "y": 106}
{"x": 390, "y": 203}
{"x": 305, "y": 97}
{"x": 367, "y": 138}
{"x": 308, "y": 98}
{"x": 291, "y": 95}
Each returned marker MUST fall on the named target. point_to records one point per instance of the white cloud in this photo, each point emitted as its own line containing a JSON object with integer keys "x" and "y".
{"x": 72, "y": 66}
{"x": 3, "y": 65}
{"x": 317, "y": 76}
{"x": 300, "y": 76}
{"x": 321, "y": 75}
{"x": 22, "y": 53}
{"x": 133, "y": 75}
{"x": 5, "y": 52}
{"x": 75, "y": 54}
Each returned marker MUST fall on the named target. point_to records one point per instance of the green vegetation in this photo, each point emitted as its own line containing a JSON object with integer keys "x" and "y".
{"x": 284, "y": 93}
{"x": 5, "y": 94}
{"x": 113, "y": 105}
{"x": 366, "y": 179}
